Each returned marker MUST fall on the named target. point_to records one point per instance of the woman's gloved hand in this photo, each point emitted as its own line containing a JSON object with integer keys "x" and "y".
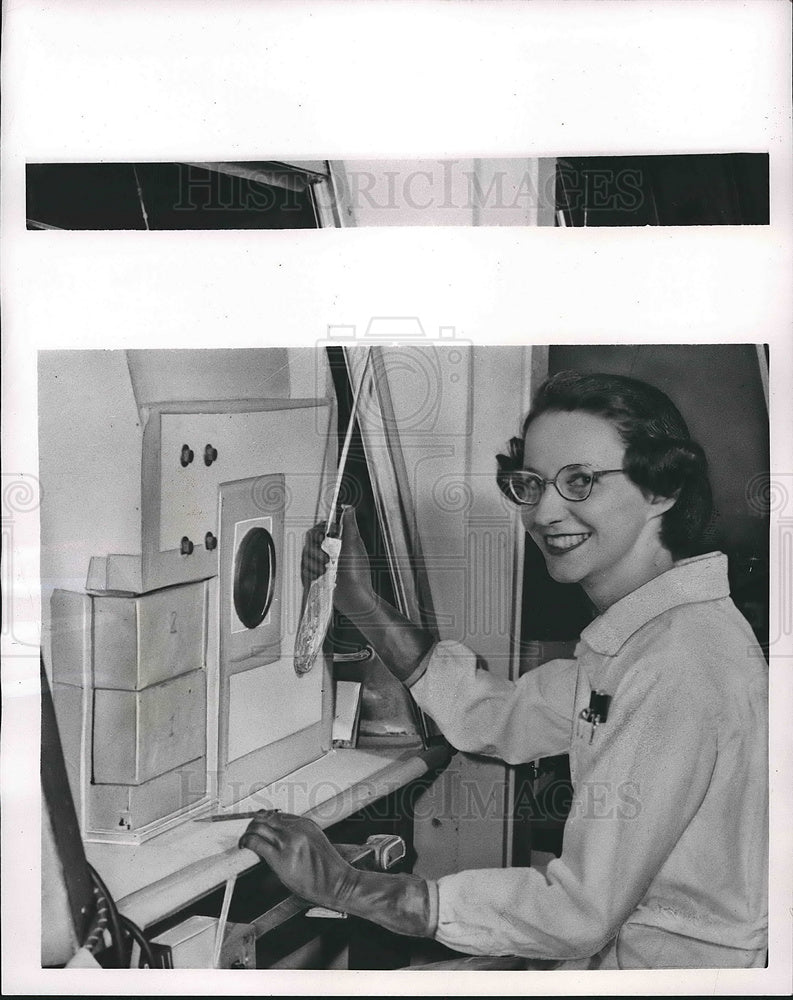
{"x": 301, "y": 856}
{"x": 353, "y": 593}
{"x": 310, "y": 866}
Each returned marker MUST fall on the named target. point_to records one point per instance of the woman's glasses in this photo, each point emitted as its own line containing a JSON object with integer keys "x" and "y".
{"x": 573, "y": 482}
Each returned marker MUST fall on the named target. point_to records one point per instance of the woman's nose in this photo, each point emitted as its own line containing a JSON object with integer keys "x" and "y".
{"x": 552, "y": 507}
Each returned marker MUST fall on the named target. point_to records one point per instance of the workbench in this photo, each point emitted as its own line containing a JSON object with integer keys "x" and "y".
{"x": 162, "y": 876}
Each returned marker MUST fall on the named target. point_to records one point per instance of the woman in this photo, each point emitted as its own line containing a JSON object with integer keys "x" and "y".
{"x": 663, "y": 712}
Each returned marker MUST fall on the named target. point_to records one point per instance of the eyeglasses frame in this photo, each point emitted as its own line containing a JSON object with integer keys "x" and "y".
{"x": 596, "y": 475}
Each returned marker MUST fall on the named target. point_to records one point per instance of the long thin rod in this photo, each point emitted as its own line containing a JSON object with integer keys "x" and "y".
{"x": 224, "y": 916}
{"x": 347, "y": 438}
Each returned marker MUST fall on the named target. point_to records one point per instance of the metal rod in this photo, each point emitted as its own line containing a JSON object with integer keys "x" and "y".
{"x": 347, "y": 439}
{"x": 224, "y": 916}
{"x": 222, "y": 817}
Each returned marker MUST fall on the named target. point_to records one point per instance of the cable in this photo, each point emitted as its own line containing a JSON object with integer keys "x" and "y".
{"x": 96, "y": 930}
{"x": 145, "y": 948}
{"x": 116, "y": 932}
{"x": 119, "y": 924}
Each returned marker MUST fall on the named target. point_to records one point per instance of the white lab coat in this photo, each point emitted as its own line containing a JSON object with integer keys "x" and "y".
{"x": 664, "y": 861}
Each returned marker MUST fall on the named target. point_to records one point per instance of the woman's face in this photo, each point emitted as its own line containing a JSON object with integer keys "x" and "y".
{"x": 609, "y": 543}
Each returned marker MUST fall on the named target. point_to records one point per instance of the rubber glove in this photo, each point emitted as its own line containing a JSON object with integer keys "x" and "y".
{"x": 306, "y": 862}
{"x": 353, "y": 593}
{"x": 400, "y": 644}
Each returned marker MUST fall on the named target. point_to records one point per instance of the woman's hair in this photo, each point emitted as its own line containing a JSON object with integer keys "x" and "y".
{"x": 660, "y": 455}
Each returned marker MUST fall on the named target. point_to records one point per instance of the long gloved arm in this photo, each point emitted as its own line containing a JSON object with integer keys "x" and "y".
{"x": 400, "y": 644}
{"x": 309, "y": 865}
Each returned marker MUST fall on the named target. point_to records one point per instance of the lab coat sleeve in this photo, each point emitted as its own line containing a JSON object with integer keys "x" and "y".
{"x": 480, "y": 713}
{"x": 638, "y": 785}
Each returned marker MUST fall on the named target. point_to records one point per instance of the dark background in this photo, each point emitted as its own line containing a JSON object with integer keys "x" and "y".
{"x": 172, "y": 196}
{"x": 713, "y": 189}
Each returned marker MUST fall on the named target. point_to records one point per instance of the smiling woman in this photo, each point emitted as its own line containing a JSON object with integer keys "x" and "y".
{"x": 610, "y": 534}
{"x": 662, "y": 710}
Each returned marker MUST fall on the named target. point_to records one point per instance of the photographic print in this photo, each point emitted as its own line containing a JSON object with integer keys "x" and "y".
{"x": 190, "y": 715}
{"x": 396, "y": 509}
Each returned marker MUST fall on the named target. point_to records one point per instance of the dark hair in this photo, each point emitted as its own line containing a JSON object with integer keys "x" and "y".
{"x": 660, "y": 455}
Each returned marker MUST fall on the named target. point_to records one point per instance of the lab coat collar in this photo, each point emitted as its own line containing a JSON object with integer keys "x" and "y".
{"x": 689, "y": 581}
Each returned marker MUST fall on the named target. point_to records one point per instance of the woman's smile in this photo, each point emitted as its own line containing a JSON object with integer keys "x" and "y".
{"x": 560, "y": 544}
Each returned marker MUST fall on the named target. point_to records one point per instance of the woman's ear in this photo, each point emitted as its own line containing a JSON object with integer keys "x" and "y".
{"x": 663, "y": 504}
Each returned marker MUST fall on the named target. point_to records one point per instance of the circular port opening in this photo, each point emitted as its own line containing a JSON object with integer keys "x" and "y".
{"x": 254, "y": 577}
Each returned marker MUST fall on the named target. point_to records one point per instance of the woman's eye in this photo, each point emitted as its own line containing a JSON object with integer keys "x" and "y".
{"x": 526, "y": 486}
